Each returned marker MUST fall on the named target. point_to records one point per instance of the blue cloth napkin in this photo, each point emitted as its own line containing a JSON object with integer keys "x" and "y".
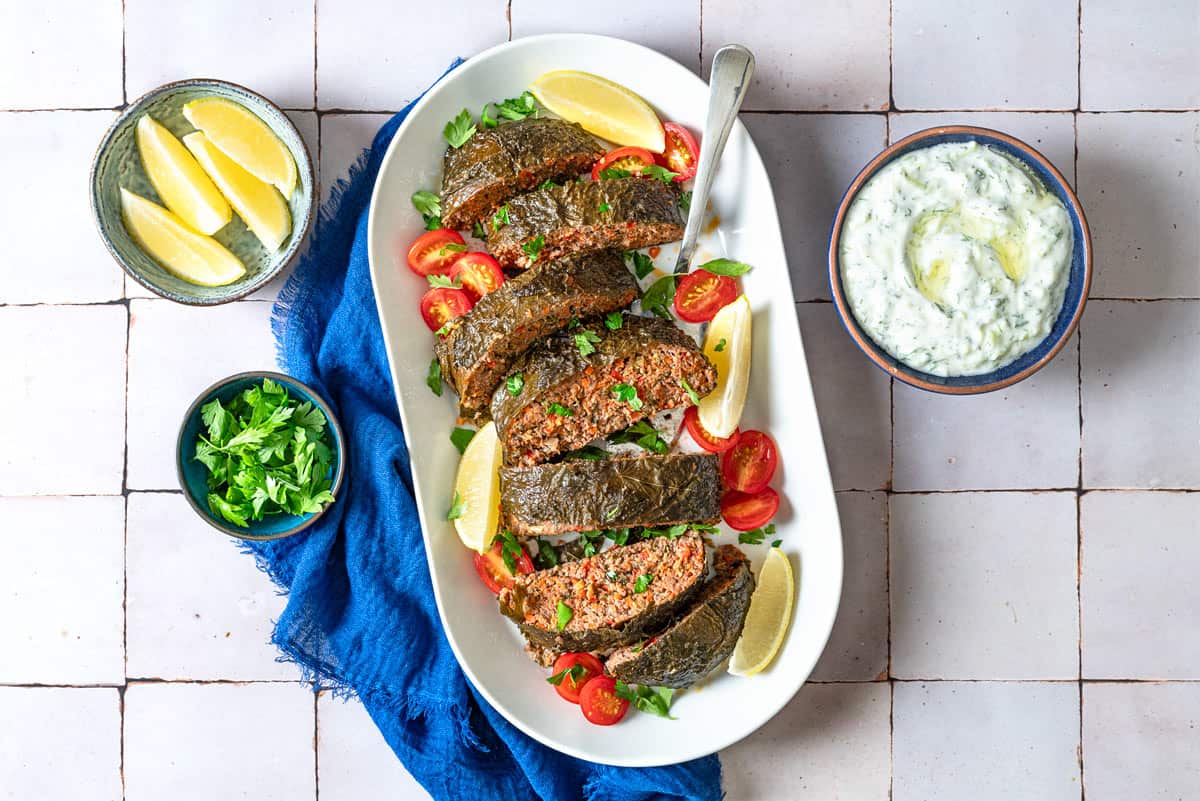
{"x": 360, "y": 614}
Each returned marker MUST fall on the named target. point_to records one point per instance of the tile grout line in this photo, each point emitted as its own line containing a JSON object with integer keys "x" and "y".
{"x": 891, "y": 476}
{"x": 1079, "y": 403}
{"x": 315, "y": 56}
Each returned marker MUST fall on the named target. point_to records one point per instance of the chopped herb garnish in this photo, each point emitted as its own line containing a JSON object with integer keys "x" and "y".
{"x": 451, "y": 247}
{"x": 433, "y": 378}
{"x": 611, "y": 513}
{"x": 574, "y": 673}
{"x": 619, "y": 536}
{"x": 515, "y": 383}
{"x": 672, "y": 533}
{"x": 546, "y": 184}
{"x": 637, "y": 649}
{"x": 461, "y": 437}
{"x": 627, "y": 393}
{"x": 756, "y": 536}
{"x": 485, "y": 119}
{"x": 659, "y": 296}
{"x": 564, "y": 615}
{"x": 430, "y": 208}
{"x": 588, "y": 453}
{"x": 590, "y": 539}
{"x": 517, "y": 108}
{"x": 533, "y": 247}
{"x": 459, "y": 129}
{"x": 726, "y": 267}
{"x": 586, "y": 341}
{"x": 445, "y": 329}
{"x": 603, "y": 207}
{"x": 477, "y": 230}
{"x": 559, "y": 410}
{"x": 685, "y": 201}
{"x": 500, "y": 217}
{"x": 720, "y": 345}
{"x": 610, "y": 173}
{"x": 573, "y": 322}
{"x": 546, "y": 556}
{"x": 510, "y": 550}
{"x": 691, "y": 393}
{"x": 644, "y": 434}
{"x": 643, "y": 582}
{"x": 613, "y": 321}
{"x": 654, "y": 700}
{"x": 775, "y": 543}
{"x": 457, "y": 507}
{"x": 443, "y": 281}
{"x": 643, "y": 265}
{"x": 661, "y": 173}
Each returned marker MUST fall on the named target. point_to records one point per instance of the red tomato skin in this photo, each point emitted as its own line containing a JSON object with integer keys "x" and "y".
{"x": 621, "y": 153}
{"x": 743, "y": 511}
{"x": 490, "y": 567}
{"x": 568, "y": 691}
{"x": 442, "y": 304}
{"x": 682, "y": 154}
{"x": 750, "y": 464}
{"x": 478, "y": 273}
{"x": 423, "y": 256}
{"x": 691, "y": 420}
{"x": 701, "y": 294}
{"x": 599, "y": 702}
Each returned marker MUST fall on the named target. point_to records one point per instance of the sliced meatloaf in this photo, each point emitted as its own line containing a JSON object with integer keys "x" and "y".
{"x": 481, "y": 345}
{"x": 623, "y": 213}
{"x": 704, "y": 635}
{"x": 497, "y": 163}
{"x": 569, "y": 399}
{"x": 652, "y": 491}
{"x": 600, "y": 595}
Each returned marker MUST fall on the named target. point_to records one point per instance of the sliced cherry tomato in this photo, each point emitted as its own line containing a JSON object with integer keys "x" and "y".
{"x": 435, "y": 252}
{"x": 701, "y": 294}
{"x": 682, "y": 153}
{"x": 442, "y": 304}
{"x": 744, "y": 511}
{"x": 691, "y": 419}
{"x": 631, "y": 159}
{"x": 479, "y": 274}
{"x": 750, "y": 464}
{"x": 600, "y": 703}
{"x": 495, "y": 574}
{"x": 570, "y": 688}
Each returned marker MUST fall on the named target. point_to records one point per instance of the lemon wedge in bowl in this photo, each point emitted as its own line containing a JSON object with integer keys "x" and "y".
{"x": 602, "y": 107}
{"x": 193, "y": 257}
{"x": 768, "y": 617}
{"x": 246, "y": 139}
{"x": 477, "y": 490}
{"x": 727, "y": 345}
{"x": 179, "y": 180}
{"x": 259, "y": 204}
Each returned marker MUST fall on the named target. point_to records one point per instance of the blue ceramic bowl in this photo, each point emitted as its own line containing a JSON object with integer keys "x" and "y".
{"x": 193, "y": 476}
{"x": 117, "y": 164}
{"x": 1079, "y": 280}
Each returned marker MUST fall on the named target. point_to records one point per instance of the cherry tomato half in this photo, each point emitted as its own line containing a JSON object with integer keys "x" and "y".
{"x": 442, "y": 304}
{"x": 701, "y": 294}
{"x": 691, "y": 420}
{"x": 750, "y": 464}
{"x": 494, "y": 573}
{"x": 744, "y": 511}
{"x": 570, "y": 688}
{"x": 682, "y": 153}
{"x": 631, "y": 159}
{"x": 435, "y": 252}
{"x": 479, "y": 274}
{"x": 600, "y": 703}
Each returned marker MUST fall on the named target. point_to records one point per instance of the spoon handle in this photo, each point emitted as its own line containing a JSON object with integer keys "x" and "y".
{"x": 732, "y": 67}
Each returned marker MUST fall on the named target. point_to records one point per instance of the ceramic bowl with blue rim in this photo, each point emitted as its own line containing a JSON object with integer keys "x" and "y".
{"x": 117, "y": 164}
{"x": 1079, "y": 277}
{"x": 193, "y": 475}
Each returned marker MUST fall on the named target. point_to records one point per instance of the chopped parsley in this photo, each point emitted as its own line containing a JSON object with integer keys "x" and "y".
{"x": 533, "y": 247}
{"x": 643, "y": 582}
{"x": 459, "y": 129}
{"x": 613, "y": 321}
{"x": 517, "y": 108}
{"x": 603, "y": 207}
{"x": 589, "y": 453}
{"x": 691, "y": 393}
{"x": 515, "y": 383}
{"x": 756, "y": 536}
{"x": 559, "y": 410}
{"x": 546, "y": 556}
{"x": 445, "y": 329}
{"x": 644, "y": 434}
{"x": 510, "y": 550}
{"x": 574, "y": 673}
{"x": 643, "y": 265}
{"x": 775, "y": 543}
{"x": 485, "y": 119}
{"x": 685, "y": 201}
{"x": 610, "y": 173}
{"x": 443, "y": 281}
{"x": 430, "y": 208}
{"x": 433, "y": 378}
{"x": 564, "y": 615}
{"x": 720, "y": 345}
{"x": 659, "y": 296}
{"x": 726, "y": 267}
{"x": 500, "y": 217}
{"x": 546, "y": 184}
{"x": 674, "y": 532}
{"x": 661, "y": 173}
{"x": 627, "y": 393}
{"x": 457, "y": 507}
{"x": 654, "y": 700}
{"x": 451, "y": 247}
{"x": 619, "y": 536}
{"x": 477, "y": 230}
{"x": 574, "y": 321}
{"x": 590, "y": 539}
{"x": 461, "y": 437}
{"x": 611, "y": 513}
{"x": 586, "y": 341}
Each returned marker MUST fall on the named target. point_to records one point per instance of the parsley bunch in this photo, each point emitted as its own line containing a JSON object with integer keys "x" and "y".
{"x": 266, "y": 454}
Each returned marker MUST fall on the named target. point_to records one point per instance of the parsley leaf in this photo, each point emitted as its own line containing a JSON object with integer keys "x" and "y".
{"x": 603, "y": 207}
{"x": 574, "y": 673}
{"x": 610, "y": 173}
{"x": 653, "y": 700}
{"x": 478, "y": 231}
{"x": 564, "y": 615}
{"x": 559, "y": 410}
{"x": 643, "y": 582}
{"x": 443, "y": 281}
{"x": 461, "y": 437}
{"x": 588, "y": 453}
{"x": 643, "y": 265}
{"x": 627, "y": 393}
{"x": 451, "y": 247}
{"x": 445, "y": 329}
{"x": 720, "y": 346}
{"x": 775, "y": 543}
{"x": 486, "y": 120}
{"x": 546, "y": 184}
{"x": 515, "y": 383}
{"x": 613, "y": 321}
{"x": 644, "y": 434}
{"x": 517, "y": 108}
{"x": 510, "y": 550}
{"x": 533, "y": 247}
{"x": 619, "y": 536}
{"x": 430, "y": 208}
{"x": 546, "y": 556}
{"x": 457, "y": 507}
{"x": 685, "y": 201}
{"x": 691, "y": 393}
{"x": 434, "y": 378}
{"x": 756, "y": 536}
{"x": 725, "y": 267}
{"x": 500, "y": 217}
{"x": 586, "y": 341}
{"x": 661, "y": 173}
{"x": 660, "y": 296}
{"x": 672, "y": 533}
{"x": 459, "y": 129}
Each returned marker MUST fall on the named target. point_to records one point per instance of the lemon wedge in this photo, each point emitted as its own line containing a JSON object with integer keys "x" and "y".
{"x": 259, "y": 204}
{"x": 193, "y": 257}
{"x": 477, "y": 488}
{"x": 727, "y": 346}
{"x": 178, "y": 179}
{"x": 768, "y": 617}
{"x": 246, "y": 139}
{"x": 606, "y": 109}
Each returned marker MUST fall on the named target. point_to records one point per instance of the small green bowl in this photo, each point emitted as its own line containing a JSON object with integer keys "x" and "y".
{"x": 117, "y": 164}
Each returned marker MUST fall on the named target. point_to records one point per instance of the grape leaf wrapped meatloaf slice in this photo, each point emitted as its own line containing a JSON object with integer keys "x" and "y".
{"x": 705, "y": 634}
{"x": 578, "y": 495}
{"x": 497, "y": 163}
{"x": 481, "y": 345}
{"x": 622, "y": 213}
{"x": 603, "y": 607}
{"x": 569, "y": 399}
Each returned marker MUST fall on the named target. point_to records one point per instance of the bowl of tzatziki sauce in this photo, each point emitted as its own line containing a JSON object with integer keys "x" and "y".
{"x": 960, "y": 260}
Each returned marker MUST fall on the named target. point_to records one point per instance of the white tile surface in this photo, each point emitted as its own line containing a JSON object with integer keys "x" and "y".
{"x": 197, "y": 608}
{"x": 984, "y": 586}
{"x": 61, "y": 616}
{"x": 1141, "y": 379}
{"x": 1142, "y": 202}
{"x": 59, "y": 743}
{"x": 811, "y": 159}
{"x": 343, "y": 139}
{"x": 62, "y": 407}
{"x": 1030, "y": 439}
{"x": 1140, "y": 603}
{"x": 355, "y": 761}
{"x": 1141, "y": 741}
{"x": 61, "y": 54}
{"x": 1020, "y": 55}
{"x": 986, "y": 741}
{"x": 57, "y": 257}
{"x": 830, "y": 743}
{"x": 1139, "y": 55}
{"x": 194, "y": 346}
{"x": 802, "y": 61}
{"x": 379, "y": 56}
{"x": 1050, "y": 133}
{"x": 199, "y": 742}
{"x": 266, "y": 46}
{"x": 852, "y": 400}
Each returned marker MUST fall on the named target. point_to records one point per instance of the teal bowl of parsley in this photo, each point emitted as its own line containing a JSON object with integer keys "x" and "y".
{"x": 260, "y": 456}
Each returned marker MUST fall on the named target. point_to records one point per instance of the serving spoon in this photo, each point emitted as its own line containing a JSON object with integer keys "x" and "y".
{"x": 732, "y": 68}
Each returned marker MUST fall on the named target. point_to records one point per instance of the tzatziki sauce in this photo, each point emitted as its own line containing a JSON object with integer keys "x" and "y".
{"x": 954, "y": 259}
